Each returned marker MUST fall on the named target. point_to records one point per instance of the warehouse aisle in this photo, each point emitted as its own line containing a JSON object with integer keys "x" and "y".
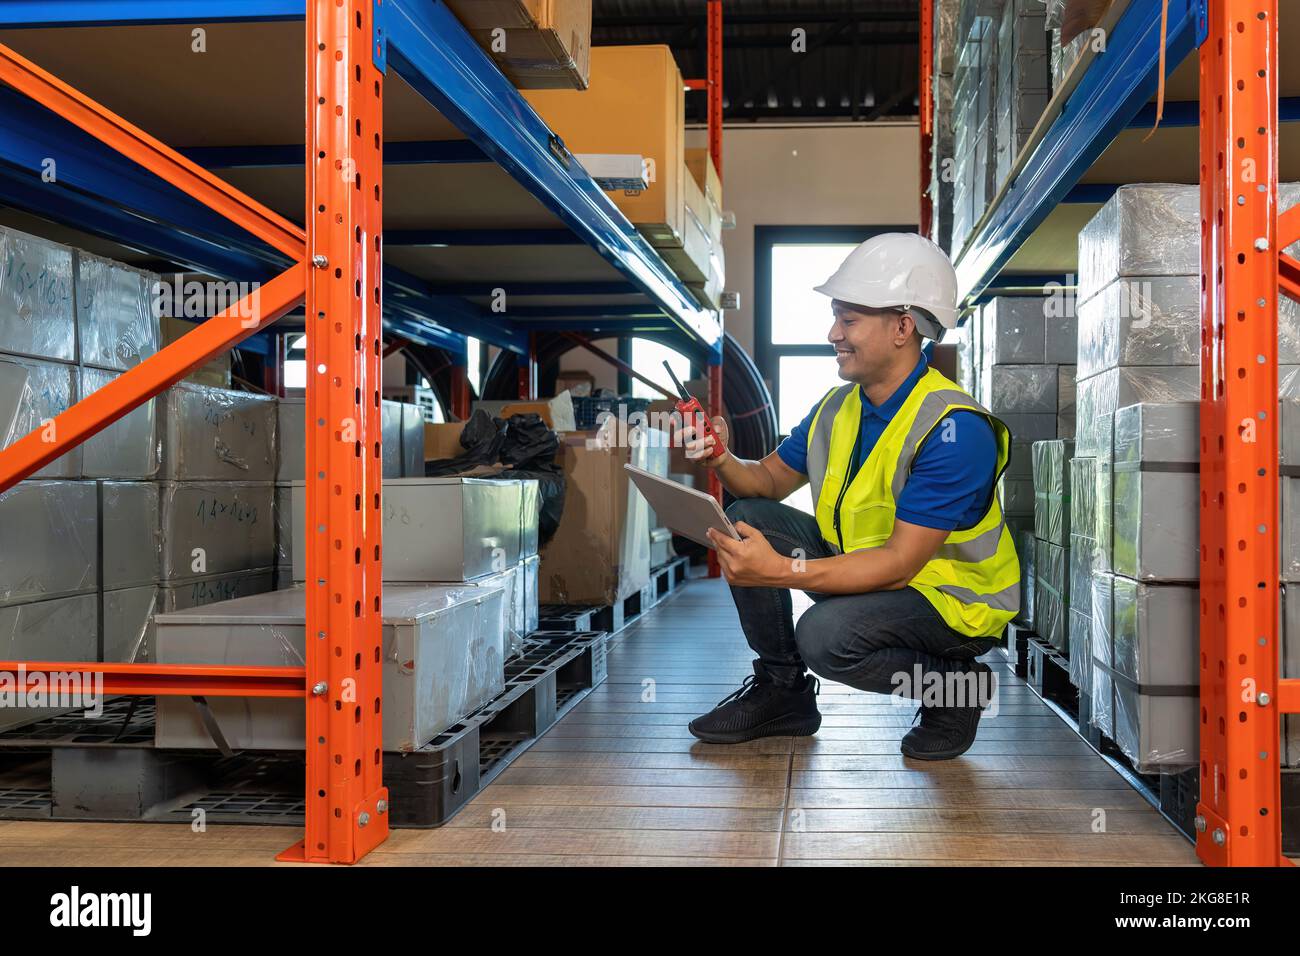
{"x": 620, "y": 781}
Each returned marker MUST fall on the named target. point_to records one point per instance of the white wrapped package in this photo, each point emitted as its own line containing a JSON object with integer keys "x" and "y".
{"x": 1107, "y": 392}
{"x": 117, "y": 322}
{"x": 1013, "y": 332}
{"x": 36, "y": 298}
{"x": 1020, "y": 389}
{"x": 1148, "y": 229}
{"x": 1155, "y": 674}
{"x": 32, "y": 393}
{"x": 1103, "y": 704}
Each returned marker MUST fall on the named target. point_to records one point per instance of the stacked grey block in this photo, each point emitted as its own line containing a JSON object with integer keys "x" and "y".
{"x": 1052, "y": 538}
{"x": 1151, "y": 660}
{"x": 402, "y": 434}
{"x": 1021, "y": 358}
{"x": 1289, "y": 445}
{"x": 1063, "y": 56}
{"x": 216, "y": 489}
{"x": 942, "y": 151}
{"x": 974, "y": 94}
{"x": 476, "y": 531}
{"x": 1024, "y": 79}
{"x": 1083, "y": 561}
{"x": 443, "y": 657}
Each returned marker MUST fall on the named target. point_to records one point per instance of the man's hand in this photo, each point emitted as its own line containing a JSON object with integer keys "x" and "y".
{"x": 699, "y": 447}
{"x": 750, "y": 562}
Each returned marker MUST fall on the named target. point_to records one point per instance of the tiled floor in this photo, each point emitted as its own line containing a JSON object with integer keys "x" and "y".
{"x": 621, "y": 781}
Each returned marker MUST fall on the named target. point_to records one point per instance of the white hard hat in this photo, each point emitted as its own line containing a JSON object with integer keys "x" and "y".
{"x": 899, "y": 269}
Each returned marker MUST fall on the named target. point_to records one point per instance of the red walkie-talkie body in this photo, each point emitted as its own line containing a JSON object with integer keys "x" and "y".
{"x": 693, "y": 413}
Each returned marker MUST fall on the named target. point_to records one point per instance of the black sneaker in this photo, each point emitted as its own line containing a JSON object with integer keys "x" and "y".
{"x": 944, "y": 732}
{"x": 761, "y": 708}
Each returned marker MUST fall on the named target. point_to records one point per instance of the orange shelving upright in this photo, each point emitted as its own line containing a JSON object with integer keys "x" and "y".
{"x": 338, "y": 271}
{"x": 1238, "y": 818}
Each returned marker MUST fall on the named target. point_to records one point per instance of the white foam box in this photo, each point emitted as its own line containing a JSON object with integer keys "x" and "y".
{"x": 128, "y": 448}
{"x": 118, "y": 324}
{"x": 49, "y": 541}
{"x": 1013, "y": 330}
{"x": 443, "y": 652}
{"x": 36, "y": 308}
{"x": 440, "y": 529}
{"x": 1106, "y": 392}
{"x": 1156, "y": 647}
{"x": 291, "y": 439}
{"x": 32, "y": 393}
{"x": 1103, "y": 652}
{"x": 231, "y": 523}
{"x": 61, "y": 629}
{"x": 1156, "y": 492}
{"x": 130, "y": 534}
{"x": 216, "y": 434}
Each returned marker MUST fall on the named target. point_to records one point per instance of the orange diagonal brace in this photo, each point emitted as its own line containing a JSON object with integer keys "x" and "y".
{"x": 1288, "y": 274}
{"x": 134, "y": 143}
{"x": 135, "y": 387}
{"x": 1288, "y": 227}
{"x": 1288, "y": 696}
{"x": 151, "y": 680}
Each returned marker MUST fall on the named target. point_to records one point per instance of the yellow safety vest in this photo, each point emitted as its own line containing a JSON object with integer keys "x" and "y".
{"x": 974, "y": 579}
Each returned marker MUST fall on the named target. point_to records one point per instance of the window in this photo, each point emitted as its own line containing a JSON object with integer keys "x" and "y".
{"x": 791, "y": 320}
{"x": 648, "y": 359}
{"x": 295, "y": 363}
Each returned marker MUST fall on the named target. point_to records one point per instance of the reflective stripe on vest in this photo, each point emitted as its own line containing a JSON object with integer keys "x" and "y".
{"x": 974, "y": 578}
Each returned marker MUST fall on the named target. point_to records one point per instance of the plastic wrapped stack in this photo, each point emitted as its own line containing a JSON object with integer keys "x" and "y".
{"x": 1051, "y": 468}
{"x": 1023, "y": 79}
{"x": 402, "y": 426}
{"x": 946, "y": 14}
{"x": 1289, "y": 444}
{"x": 1063, "y": 56}
{"x": 974, "y": 158}
{"x": 1082, "y": 560}
{"x": 1145, "y": 682}
{"x": 1021, "y": 368}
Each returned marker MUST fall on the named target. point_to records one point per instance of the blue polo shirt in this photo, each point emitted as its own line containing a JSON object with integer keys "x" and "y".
{"x": 951, "y": 481}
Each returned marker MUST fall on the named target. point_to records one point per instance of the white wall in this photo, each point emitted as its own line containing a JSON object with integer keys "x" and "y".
{"x": 843, "y": 174}
{"x": 840, "y": 174}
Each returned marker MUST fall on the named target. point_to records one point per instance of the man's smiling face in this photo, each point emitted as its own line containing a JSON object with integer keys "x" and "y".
{"x": 864, "y": 340}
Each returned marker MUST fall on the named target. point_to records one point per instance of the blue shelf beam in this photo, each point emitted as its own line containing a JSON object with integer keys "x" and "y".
{"x": 535, "y": 288}
{"x": 87, "y": 13}
{"x": 1188, "y": 113}
{"x": 442, "y": 238}
{"x": 1110, "y": 94}
{"x": 430, "y": 49}
{"x": 431, "y": 152}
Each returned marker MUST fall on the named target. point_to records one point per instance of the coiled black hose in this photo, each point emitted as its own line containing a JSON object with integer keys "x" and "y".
{"x": 747, "y": 403}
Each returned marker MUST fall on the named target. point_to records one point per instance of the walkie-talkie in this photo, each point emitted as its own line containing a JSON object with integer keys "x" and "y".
{"x": 692, "y": 412}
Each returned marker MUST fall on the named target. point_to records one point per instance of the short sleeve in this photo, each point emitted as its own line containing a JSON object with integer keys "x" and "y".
{"x": 794, "y": 450}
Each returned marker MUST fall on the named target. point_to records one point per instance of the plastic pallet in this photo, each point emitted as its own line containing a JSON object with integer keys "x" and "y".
{"x": 610, "y": 618}
{"x": 1048, "y": 672}
{"x": 669, "y": 576}
{"x": 71, "y": 770}
{"x": 1016, "y": 648}
{"x": 1179, "y": 793}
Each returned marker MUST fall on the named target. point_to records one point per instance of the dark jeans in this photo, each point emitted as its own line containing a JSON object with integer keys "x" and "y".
{"x": 862, "y": 640}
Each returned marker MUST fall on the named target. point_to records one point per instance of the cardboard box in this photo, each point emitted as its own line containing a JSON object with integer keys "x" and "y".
{"x": 700, "y": 164}
{"x": 49, "y": 541}
{"x": 601, "y": 552}
{"x": 214, "y": 434}
{"x": 635, "y": 104}
{"x": 32, "y": 392}
{"x": 443, "y": 441}
{"x": 117, "y": 323}
{"x": 538, "y": 44}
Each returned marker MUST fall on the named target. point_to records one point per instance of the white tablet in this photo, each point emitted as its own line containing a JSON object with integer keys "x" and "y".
{"x": 685, "y": 511}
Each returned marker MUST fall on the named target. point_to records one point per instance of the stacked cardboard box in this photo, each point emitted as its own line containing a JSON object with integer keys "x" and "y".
{"x": 634, "y": 104}
{"x": 1052, "y": 539}
{"x": 1082, "y": 560}
{"x": 538, "y": 44}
